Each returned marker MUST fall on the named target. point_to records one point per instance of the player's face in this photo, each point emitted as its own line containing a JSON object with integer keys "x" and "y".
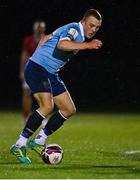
{"x": 91, "y": 25}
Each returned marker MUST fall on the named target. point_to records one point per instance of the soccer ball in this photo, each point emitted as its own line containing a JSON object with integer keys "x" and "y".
{"x": 52, "y": 154}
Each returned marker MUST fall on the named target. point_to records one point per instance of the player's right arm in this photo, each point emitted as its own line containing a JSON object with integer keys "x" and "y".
{"x": 67, "y": 45}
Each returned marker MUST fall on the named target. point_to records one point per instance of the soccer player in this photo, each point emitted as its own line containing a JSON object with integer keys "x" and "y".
{"x": 30, "y": 43}
{"x": 41, "y": 74}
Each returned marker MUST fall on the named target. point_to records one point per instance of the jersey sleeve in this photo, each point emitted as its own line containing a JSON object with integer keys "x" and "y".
{"x": 71, "y": 34}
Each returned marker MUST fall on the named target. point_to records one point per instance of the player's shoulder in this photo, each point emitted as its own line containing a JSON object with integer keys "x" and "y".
{"x": 74, "y": 25}
{"x": 71, "y": 28}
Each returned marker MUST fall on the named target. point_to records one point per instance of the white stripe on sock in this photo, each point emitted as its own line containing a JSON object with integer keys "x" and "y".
{"x": 40, "y": 114}
{"x": 62, "y": 115}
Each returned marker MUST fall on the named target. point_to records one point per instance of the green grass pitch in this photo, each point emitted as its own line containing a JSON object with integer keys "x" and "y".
{"x": 92, "y": 145}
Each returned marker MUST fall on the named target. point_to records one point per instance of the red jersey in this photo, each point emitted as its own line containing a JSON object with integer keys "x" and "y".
{"x": 29, "y": 45}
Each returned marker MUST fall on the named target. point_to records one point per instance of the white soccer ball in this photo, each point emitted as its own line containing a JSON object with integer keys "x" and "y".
{"x": 52, "y": 154}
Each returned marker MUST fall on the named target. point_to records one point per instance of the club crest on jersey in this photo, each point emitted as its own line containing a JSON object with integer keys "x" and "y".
{"x": 72, "y": 33}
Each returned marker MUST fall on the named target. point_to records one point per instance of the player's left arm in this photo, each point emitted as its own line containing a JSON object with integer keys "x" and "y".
{"x": 67, "y": 45}
{"x": 43, "y": 40}
{"x": 69, "y": 42}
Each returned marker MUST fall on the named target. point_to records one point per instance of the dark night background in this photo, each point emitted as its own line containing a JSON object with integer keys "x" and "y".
{"x": 103, "y": 80}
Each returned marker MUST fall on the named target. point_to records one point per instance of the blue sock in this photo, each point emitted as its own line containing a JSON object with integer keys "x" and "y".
{"x": 33, "y": 123}
{"x": 54, "y": 123}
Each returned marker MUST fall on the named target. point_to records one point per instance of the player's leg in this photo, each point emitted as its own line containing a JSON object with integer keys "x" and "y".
{"x": 66, "y": 108}
{"x": 34, "y": 121}
{"x": 26, "y": 103}
{"x": 46, "y": 105}
{"x": 34, "y": 75}
{"x": 65, "y": 104}
{"x": 37, "y": 79}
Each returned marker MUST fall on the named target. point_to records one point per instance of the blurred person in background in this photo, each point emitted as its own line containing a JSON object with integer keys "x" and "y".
{"x": 29, "y": 45}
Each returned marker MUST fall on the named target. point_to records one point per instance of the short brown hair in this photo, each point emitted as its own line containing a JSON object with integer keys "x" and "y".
{"x": 92, "y": 12}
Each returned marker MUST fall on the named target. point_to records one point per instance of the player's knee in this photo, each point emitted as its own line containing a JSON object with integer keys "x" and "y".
{"x": 70, "y": 111}
{"x": 46, "y": 108}
{"x": 73, "y": 111}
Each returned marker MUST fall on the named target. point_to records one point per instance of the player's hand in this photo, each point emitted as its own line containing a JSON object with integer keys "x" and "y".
{"x": 95, "y": 44}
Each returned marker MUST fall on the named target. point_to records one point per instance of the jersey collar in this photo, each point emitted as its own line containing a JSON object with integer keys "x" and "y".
{"x": 81, "y": 29}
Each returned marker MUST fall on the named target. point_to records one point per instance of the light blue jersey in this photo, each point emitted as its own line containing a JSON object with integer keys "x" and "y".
{"x": 52, "y": 58}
